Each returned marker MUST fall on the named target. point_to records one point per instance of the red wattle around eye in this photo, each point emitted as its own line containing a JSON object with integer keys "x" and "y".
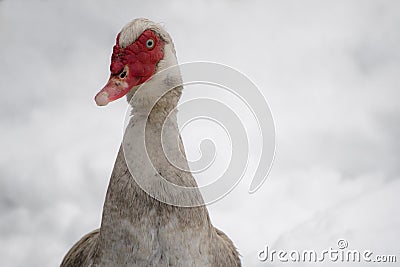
{"x": 140, "y": 60}
{"x": 144, "y": 57}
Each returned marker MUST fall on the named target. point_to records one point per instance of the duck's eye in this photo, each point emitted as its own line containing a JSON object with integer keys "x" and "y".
{"x": 122, "y": 75}
{"x": 150, "y": 43}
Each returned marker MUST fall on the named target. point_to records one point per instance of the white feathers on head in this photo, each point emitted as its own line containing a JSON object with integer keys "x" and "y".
{"x": 131, "y": 31}
{"x": 160, "y": 84}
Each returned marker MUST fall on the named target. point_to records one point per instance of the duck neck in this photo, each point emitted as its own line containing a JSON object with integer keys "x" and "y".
{"x": 137, "y": 206}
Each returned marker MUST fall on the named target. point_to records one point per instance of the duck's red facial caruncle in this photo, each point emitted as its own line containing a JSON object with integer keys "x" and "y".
{"x": 131, "y": 66}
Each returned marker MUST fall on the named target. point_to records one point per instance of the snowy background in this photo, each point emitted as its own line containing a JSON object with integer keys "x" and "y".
{"x": 330, "y": 71}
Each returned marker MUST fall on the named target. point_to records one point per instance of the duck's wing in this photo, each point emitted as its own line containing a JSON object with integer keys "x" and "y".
{"x": 232, "y": 257}
{"x": 82, "y": 252}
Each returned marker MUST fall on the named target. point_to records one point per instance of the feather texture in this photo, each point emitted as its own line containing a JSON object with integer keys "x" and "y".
{"x": 137, "y": 229}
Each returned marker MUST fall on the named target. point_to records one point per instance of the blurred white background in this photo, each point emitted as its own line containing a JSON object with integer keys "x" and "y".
{"x": 330, "y": 71}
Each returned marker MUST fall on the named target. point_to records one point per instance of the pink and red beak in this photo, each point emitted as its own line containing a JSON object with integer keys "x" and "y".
{"x": 115, "y": 89}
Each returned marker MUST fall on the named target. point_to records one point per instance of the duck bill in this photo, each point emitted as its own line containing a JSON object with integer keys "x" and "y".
{"x": 113, "y": 90}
